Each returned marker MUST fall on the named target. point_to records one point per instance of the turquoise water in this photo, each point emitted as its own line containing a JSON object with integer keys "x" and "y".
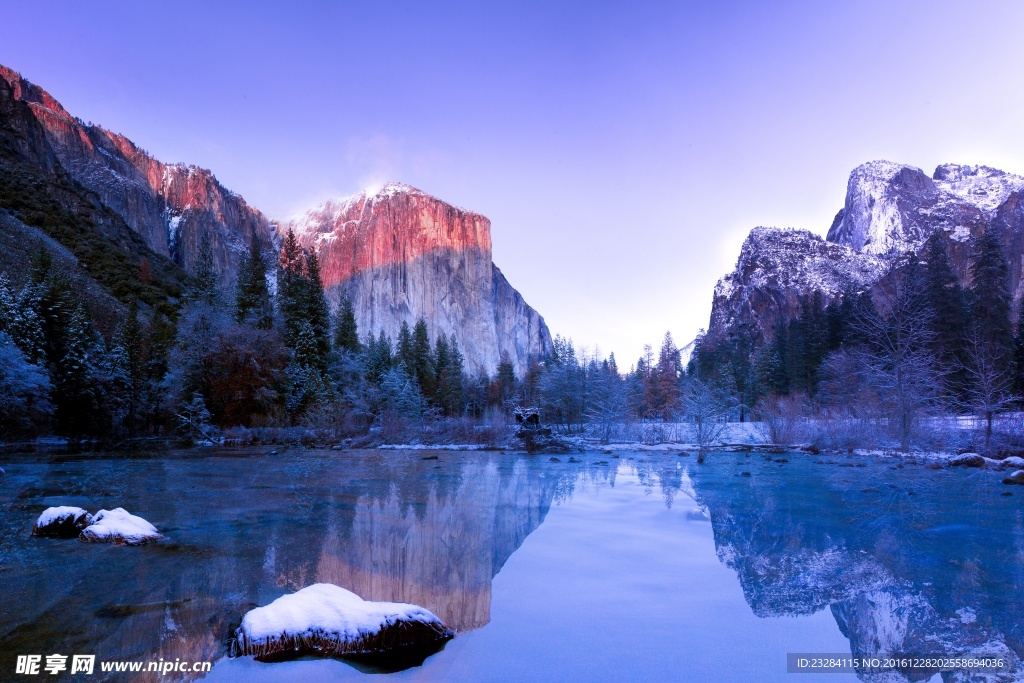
{"x": 649, "y": 567}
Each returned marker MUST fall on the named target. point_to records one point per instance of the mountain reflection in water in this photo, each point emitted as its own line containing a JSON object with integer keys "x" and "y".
{"x": 909, "y": 560}
{"x": 247, "y": 527}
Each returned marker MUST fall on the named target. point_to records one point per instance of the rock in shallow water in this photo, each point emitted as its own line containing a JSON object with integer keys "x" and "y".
{"x": 967, "y": 460}
{"x": 61, "y": 522}
{"x": 119, "y": 527}
{"x": 1015, "y": 478}
{"x": 328, "y": 621}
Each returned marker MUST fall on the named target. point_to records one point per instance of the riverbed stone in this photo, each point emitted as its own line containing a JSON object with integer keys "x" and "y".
{"x": 967, "y": 460}
{"x": 1015, "y": 478}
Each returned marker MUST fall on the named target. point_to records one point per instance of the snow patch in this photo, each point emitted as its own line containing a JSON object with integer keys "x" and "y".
{"x": 967, "y": 615}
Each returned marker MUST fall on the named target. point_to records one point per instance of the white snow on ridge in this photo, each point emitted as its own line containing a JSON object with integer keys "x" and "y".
{"x": 984, "y": 187}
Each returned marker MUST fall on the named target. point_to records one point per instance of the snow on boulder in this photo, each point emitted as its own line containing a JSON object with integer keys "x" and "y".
{"x": 1014, "y": 461}
{"x": 62, "y": 522}
{"x": 967, "y": 460}
{"x": 329, "y": 621}
{"x": 119, "y": 527}
{"x": 1015, "y": 478}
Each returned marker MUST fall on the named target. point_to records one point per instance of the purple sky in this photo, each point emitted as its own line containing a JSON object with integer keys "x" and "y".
{"x": 622, "y": 151}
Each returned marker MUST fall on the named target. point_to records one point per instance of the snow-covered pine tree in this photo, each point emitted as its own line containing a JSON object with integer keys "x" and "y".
{"x": 423, "y": 362}
{"x": 318, "y": 313}
{"x": 252, "y": 299}
{"x": 346, "y": 334}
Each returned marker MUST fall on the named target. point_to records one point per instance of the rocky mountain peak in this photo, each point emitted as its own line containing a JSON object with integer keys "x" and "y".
{"x": 890, "y": 211}
{"x": 777, "y": 268}
{"x": 401, "y": 254}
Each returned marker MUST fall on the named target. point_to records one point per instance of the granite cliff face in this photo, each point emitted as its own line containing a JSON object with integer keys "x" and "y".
{"x": 400, "y": 254}
{"x": 890, "y": 211}
{"x": 171, "y": 206}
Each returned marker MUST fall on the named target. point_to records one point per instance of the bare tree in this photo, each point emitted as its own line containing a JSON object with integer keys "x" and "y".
{"x": 896, "y": 360}
{"x": 706, "y": 408}
{"x": 990, "y": 385}
{"x": 781, "y": 418}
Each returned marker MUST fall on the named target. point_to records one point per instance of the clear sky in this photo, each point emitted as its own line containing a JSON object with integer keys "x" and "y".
{"x": 621, "y": 150}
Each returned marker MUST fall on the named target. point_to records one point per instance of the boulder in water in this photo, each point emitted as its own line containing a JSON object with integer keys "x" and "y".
{"x": 119, "y": 527}
{"x": 328, "y": 621}
{"x": 64, "y": 521}
{"x": 967, "y": 460}
{"x": 1015, "y": 478}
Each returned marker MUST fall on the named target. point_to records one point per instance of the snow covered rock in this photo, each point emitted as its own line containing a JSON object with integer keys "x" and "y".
{"x": 1015, "y": 478}
{"x": 329, "y": 621}
{"x": 119, "y": 527}
{"x": 62, "y": 522}
{"x": 1014, "y": 462}
{"x": 967, "y": 460}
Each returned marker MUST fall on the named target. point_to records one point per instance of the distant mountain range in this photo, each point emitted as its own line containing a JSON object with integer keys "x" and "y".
{"x": 890, "y": 211}
{"x": 103, "y": 204}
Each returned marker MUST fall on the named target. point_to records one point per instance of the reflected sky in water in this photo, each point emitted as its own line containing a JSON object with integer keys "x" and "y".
{"x": 649, "y": 567}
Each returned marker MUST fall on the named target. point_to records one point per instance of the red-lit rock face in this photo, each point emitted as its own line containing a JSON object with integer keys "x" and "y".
{"x": 172, "y": 206}
{"x": 395, "y": 224}
{"x": 400, "y": 254}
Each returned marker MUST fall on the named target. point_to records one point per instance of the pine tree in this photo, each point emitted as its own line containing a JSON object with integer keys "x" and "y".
{"x": 346, "y": 335}
{"x": 423, "y": 363}
{"x": 76, "y": 400}
{"x": 205, "y": 285}
{"x": 292, "y": 289}
{"x": 318, "y": 313}
{"x": 131, "y": 350}
{"x": 990, "y": 297}
{"x": 252, "y": 299}
{"x": 666, "y": 376}
{"x": 505, "y": 379}
{"x": 448, "y": 367}
{"x": 378, "y": 357}
{"x": 944, "y": 299}
{"x": 19, "y": 318}
{"x": 456, "y": 380}
{"x": 405, "y": 356}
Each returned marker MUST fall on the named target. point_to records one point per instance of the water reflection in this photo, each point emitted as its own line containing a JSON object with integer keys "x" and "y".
{"x": 244, "y": 530}
{"x": 909, "y": 560}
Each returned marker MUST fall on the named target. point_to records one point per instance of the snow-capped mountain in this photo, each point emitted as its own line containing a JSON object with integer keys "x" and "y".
{"x": 401, "y": 254}
{"x": 890, "y": 210}
{"x": 171, "y": 206}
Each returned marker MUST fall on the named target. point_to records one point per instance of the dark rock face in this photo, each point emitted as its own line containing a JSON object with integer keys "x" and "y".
{"x": 400, "y": 254}
{"x": 890, "y": 211}
{"x": 171, "y": 206}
